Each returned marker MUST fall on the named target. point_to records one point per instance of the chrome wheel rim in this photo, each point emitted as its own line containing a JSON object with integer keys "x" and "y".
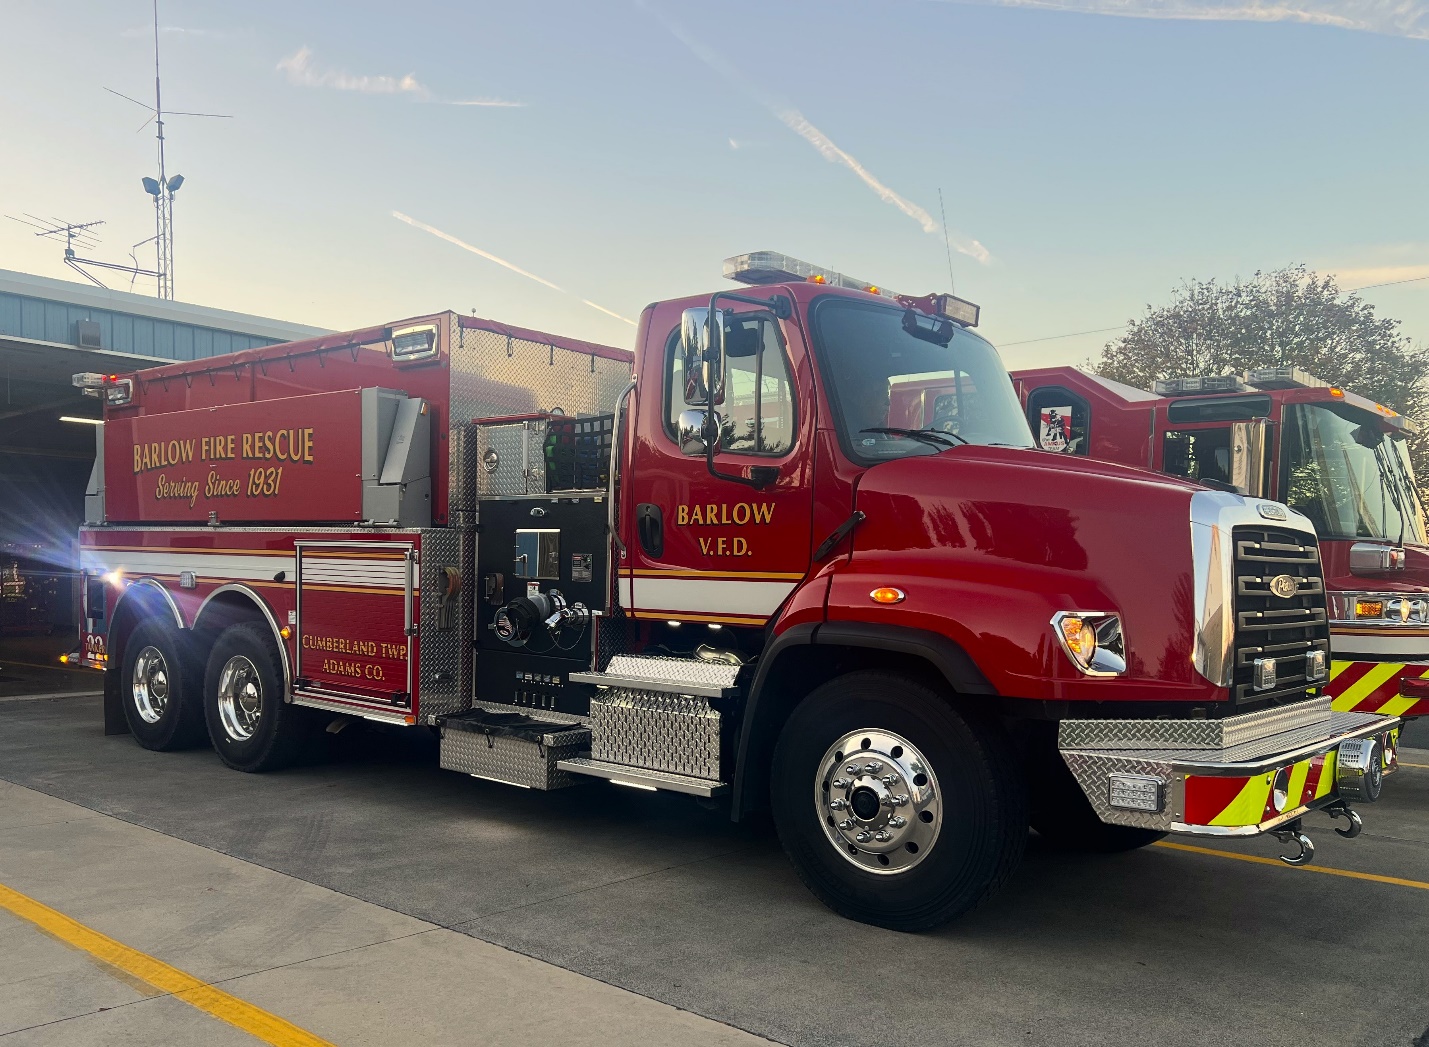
{"x": 151, "y": 684}
{"x": 240, "y": 698}
{"x": 878, "y": 801}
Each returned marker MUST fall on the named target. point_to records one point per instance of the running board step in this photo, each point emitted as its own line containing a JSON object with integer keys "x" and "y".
{"x": 643, "y": 778}
{"x": 694, "y": 676}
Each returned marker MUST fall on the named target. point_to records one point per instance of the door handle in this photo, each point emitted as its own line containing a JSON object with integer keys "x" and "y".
{"x": 650, "y": 528}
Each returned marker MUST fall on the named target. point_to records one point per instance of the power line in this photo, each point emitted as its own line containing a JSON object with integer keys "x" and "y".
{"x": 1118, "y": 327}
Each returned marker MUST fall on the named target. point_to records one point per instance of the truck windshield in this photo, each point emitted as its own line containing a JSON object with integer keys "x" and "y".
{"x": 884, "y": 378}
{"x": 1349, "y": 477}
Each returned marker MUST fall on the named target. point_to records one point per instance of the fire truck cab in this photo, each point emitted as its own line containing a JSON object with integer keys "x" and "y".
{"x": 1279, "y": 432}
{"x": 797, "y": 552}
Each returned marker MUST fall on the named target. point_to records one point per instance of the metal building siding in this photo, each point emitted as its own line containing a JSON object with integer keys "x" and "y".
{"x": 47, "y": 321}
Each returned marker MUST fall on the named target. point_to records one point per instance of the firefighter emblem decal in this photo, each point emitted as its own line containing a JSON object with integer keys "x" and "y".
{"x": 1056, "y": 429}
{"x": 1285, "y": 585}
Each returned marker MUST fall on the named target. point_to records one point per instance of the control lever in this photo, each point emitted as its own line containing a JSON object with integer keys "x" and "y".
{"x": 449, "y": 582}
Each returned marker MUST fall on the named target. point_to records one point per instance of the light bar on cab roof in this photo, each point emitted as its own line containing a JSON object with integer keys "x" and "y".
{"x": 1288, "y": 377}
{"x": 771, "y": 267}
{"x": 1207, "y": 383}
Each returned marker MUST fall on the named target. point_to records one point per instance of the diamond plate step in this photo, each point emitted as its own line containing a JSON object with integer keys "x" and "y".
{"x": 643, "y": 778}
{"x": 635, "y": 672}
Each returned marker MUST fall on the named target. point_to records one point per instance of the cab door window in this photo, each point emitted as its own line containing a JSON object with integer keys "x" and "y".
{"x": 1198, "y": 454}
{"x": 758, "y": 414}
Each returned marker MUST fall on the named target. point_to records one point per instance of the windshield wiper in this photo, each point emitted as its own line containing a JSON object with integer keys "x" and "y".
{"x": 932, "y": 437}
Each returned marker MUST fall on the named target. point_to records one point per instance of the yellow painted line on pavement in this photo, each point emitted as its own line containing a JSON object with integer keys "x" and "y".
{"x": 211, "y": 1000}
{"x": 1258, "y": 860}
{"x": 1421, "y": 766}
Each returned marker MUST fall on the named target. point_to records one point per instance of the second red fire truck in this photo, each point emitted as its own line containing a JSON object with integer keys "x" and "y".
{"x": 762, "y": 561}
{"x": 1340, "y": 459}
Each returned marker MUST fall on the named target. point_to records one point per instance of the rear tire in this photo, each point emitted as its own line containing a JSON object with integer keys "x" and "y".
{"x": 932, "y": 831}
{"x": 252, "y": 728}
{"x": 159, "y": 689}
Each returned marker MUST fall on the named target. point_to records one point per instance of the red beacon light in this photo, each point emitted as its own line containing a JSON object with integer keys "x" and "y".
{"x": 115, "y": 390}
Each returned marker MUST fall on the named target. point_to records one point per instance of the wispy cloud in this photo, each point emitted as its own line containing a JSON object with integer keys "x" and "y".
{"x": 456, "y": 241}
{"x": 1374, "y": 276}
{"x": 801, "y": 126}
{"x": 1406, "y": 18}
{"x": 301, "y": 71}
{"x": 146, "y": 32}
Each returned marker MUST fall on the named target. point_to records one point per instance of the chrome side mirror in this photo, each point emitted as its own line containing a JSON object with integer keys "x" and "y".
{"x": 1248, "y": 447}
{"x": 702, "y": 352}
{"x": 690, "y": 432}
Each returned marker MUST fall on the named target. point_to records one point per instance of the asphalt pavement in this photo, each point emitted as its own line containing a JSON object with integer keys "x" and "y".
{"x": 653, "y": 894}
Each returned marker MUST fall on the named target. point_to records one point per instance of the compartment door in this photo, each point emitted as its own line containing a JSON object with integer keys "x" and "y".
{"x": 357, "y": 613}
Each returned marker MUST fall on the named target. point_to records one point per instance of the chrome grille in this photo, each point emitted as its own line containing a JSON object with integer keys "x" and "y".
{"x": 1267, "y": 625}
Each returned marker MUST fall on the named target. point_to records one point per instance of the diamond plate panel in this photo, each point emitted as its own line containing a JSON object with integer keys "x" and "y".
{"x": 1193, "y": 734}
{"x": 1339, "y": 724}
{"x": 495, "y": 375}
{"x": 685, "y": 670}
{"x": 515, "y": 761}
{"x": 677, "y": 733}
{"x": 440, "y": 689}
{"x": 1092, "y": 771}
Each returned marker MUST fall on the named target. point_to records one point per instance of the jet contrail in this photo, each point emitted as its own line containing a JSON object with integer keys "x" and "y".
{"x": 499, "y": 261}
{"x": 799, "y": 124}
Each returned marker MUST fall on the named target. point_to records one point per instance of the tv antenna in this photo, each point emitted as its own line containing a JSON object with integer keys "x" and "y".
{"x": 79, "y": 234}
{"x": 162, "y": 188}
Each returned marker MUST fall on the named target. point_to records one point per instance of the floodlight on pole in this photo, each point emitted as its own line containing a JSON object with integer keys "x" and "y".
{"x": 151, "y": 186}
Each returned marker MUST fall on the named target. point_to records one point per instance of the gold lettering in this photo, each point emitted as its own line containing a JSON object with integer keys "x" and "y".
{"x": 741, "y": 547}
{"x": 706, "y": 545}
{"x": 764, "y": 512}
{"x": 139, "y": 462}
{"x": 741, "y": 513}
{"x": 682, "y": 515}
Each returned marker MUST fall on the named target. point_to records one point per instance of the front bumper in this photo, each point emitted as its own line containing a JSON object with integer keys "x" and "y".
{"x": 1388, "y": 688}
{"x": 1260, "y": 771}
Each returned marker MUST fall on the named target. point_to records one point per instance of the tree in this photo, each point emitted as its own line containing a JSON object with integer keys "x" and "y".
{"x": 1289, "y": 316}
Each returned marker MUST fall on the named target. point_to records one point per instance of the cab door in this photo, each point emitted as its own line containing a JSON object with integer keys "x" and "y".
{"x": 704, "y": 549}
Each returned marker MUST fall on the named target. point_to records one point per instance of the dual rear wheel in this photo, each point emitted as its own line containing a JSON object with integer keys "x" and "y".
{"x": 236, "y": 700}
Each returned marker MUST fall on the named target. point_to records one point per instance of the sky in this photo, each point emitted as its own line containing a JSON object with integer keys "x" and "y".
{"x": 559, "y": 165}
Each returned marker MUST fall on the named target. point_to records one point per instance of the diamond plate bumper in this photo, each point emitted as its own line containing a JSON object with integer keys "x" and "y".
{"x": 1241, "y": 790}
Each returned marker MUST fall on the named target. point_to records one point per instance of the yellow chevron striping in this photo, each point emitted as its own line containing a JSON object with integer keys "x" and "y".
{"x": 1327, "y": 775}
{"x": 1298, "y": 775}
{"x": 1366, "y": 685}
{"x": 1397, "y": 705}
{"x": 1249, "y": 804}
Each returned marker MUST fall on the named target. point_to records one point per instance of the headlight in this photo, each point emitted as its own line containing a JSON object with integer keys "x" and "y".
{"x": 1092, "y": 640}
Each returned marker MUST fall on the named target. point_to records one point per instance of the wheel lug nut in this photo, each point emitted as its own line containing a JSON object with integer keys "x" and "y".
{"x": 837, "y": 805}
{"x": 872, "y": 768}
{"x": 895, "y": 801}
{"x": 846, "y": 824}
{"x": 864, "y": 836}
{"x": 842, "y": 783}
{"x": 897, "y": 821}
{"x": 882, "y": 837}
{"x": 851, "y": 768}
{"x": 890, "y": 779}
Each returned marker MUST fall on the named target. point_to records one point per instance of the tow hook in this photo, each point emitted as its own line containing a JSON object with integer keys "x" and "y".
{"x": 1340, "y": 809}
{"x": 1292, "y": 834}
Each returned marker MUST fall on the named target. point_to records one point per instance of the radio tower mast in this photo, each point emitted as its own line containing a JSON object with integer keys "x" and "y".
{"x": 163, "y": 188}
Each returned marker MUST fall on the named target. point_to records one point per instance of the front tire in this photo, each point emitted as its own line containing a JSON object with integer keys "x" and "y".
{"x": 159, "y": 692}
{"x": 251, "y": 727}
{"x": 895, "y": 808}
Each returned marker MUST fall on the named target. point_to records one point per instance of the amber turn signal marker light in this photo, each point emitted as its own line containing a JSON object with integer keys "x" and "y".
{"x": 887, "y": 594}
{"x": 818, "y": 278}
{"x": 1337, "y": 392}
{"x": 285, "y": 632}
{"x": 1080, "y": 637}
{"x": 1369, "y": 608}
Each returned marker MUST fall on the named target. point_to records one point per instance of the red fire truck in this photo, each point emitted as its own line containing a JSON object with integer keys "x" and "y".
{"x": 1337, "y": 458}
{"x": 738, "y": 564}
